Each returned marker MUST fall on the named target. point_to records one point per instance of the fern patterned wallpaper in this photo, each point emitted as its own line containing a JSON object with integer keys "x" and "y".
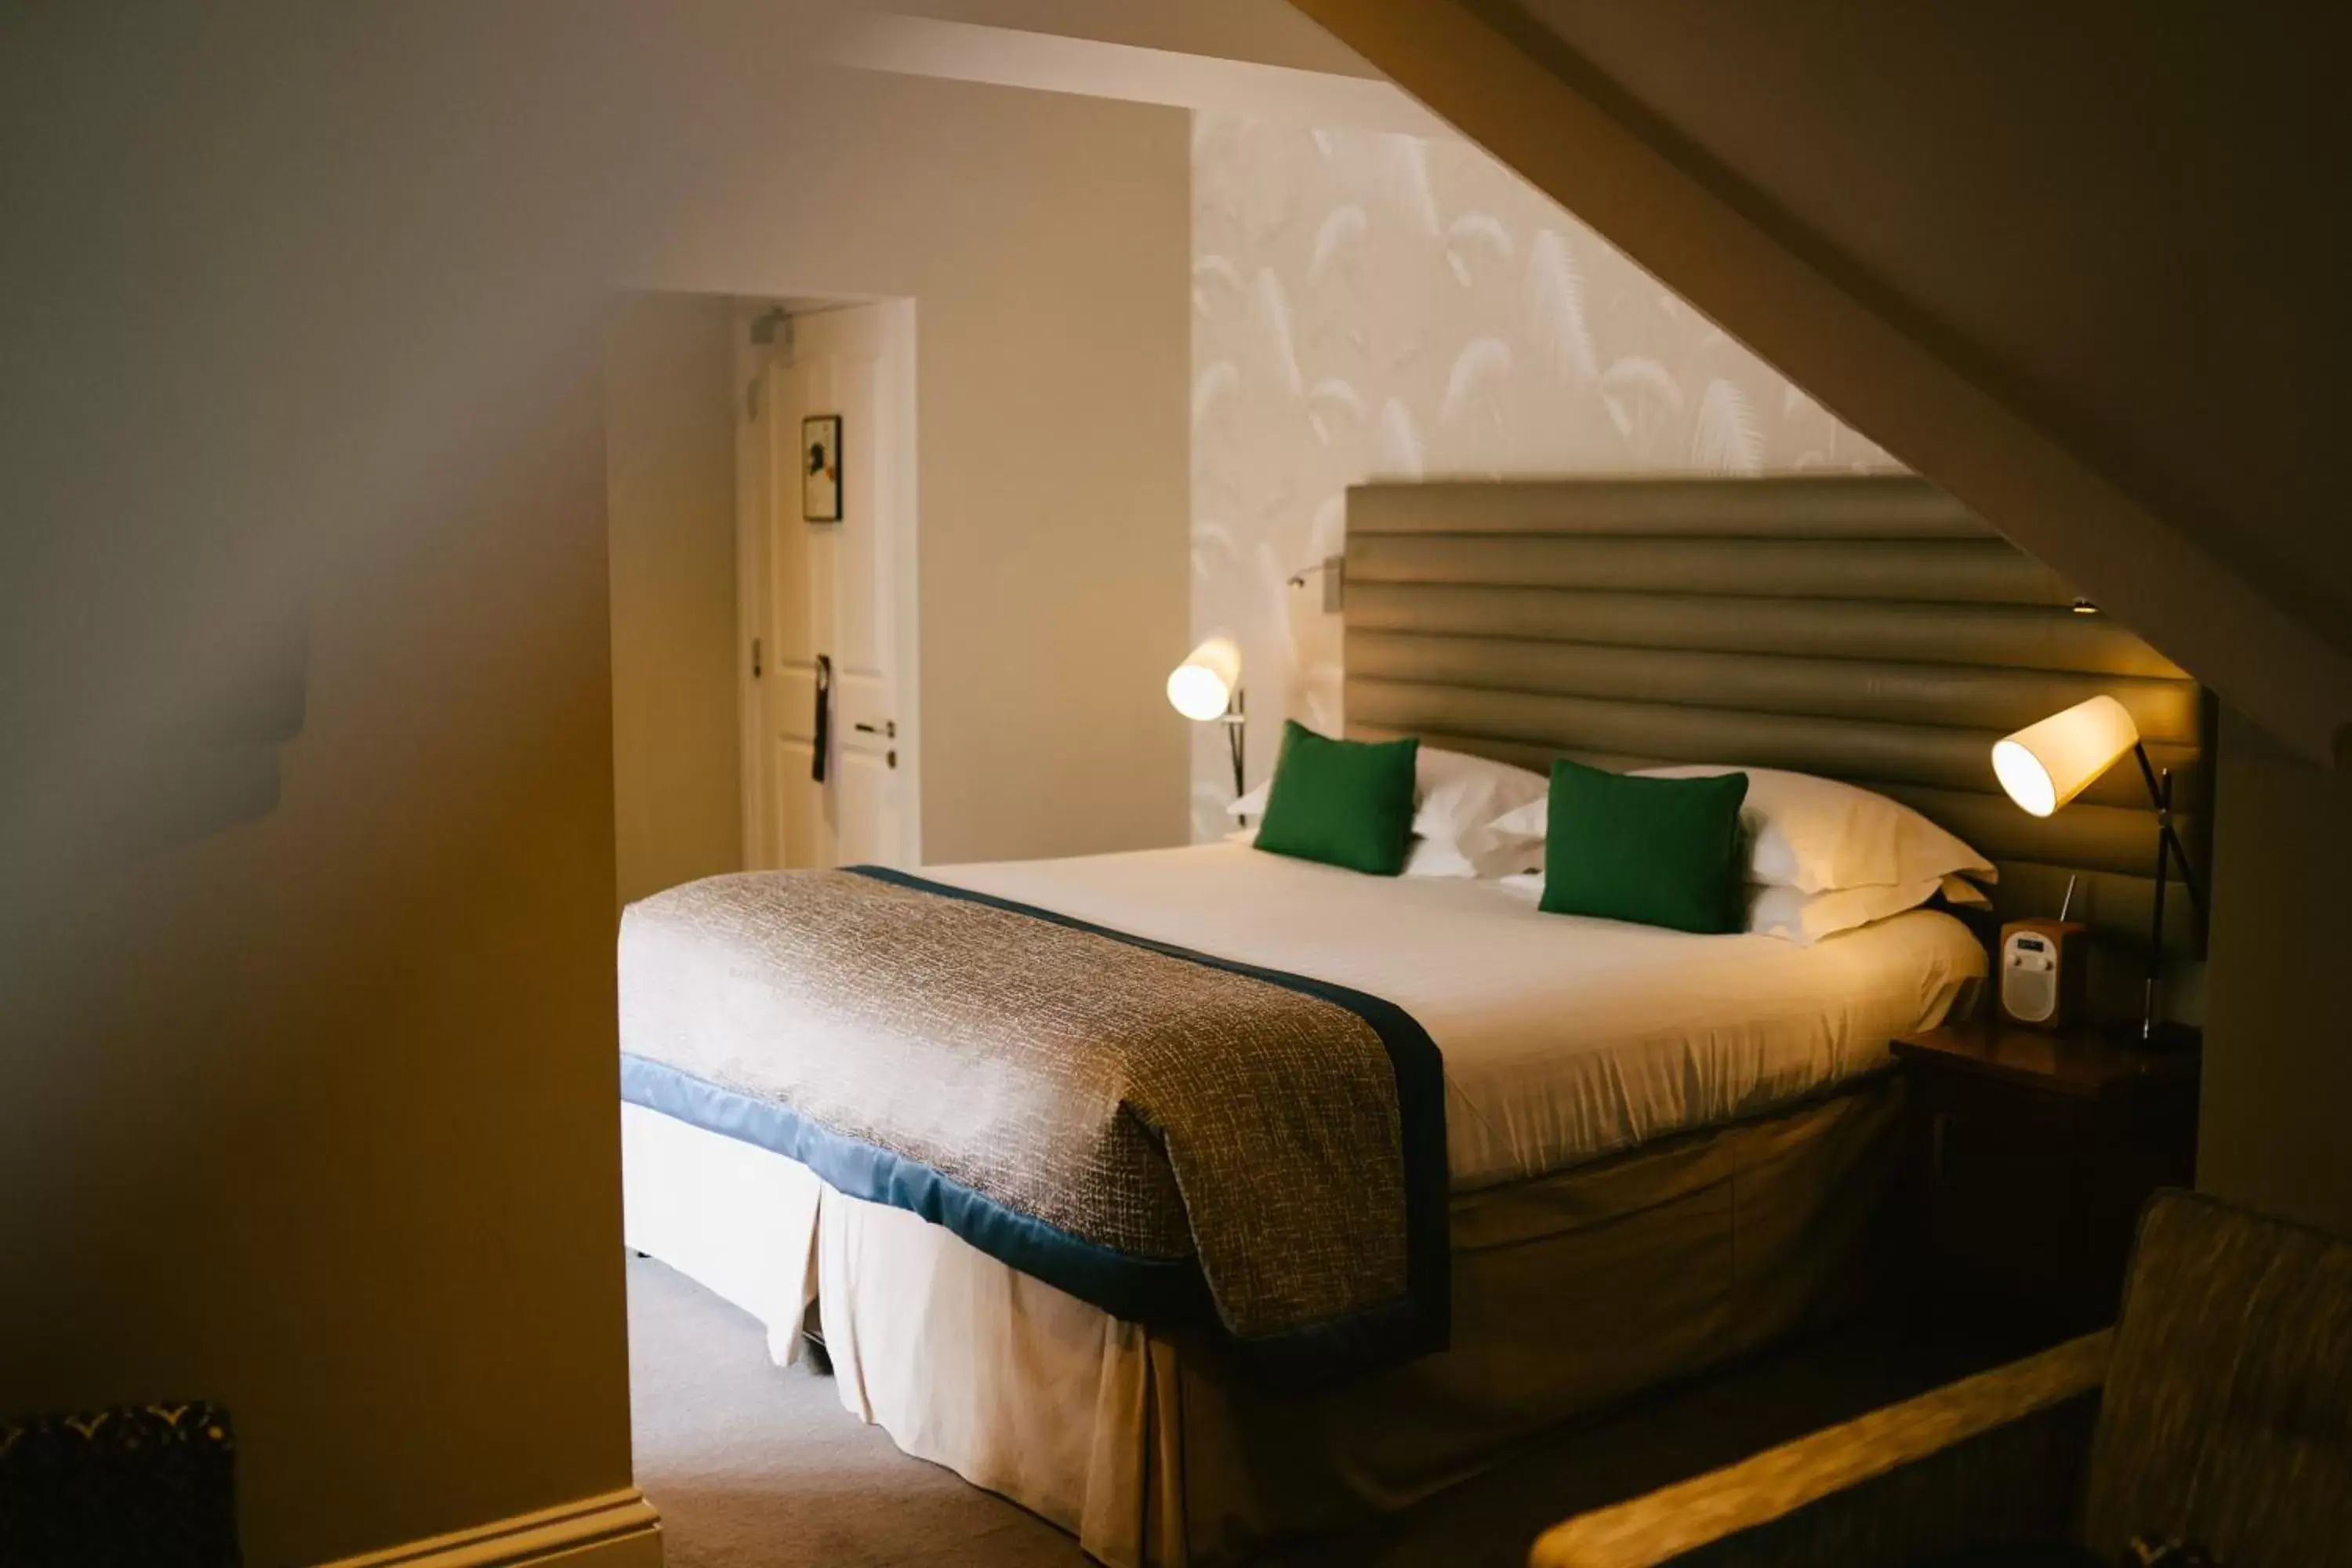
{"x": 1376, "y": 306}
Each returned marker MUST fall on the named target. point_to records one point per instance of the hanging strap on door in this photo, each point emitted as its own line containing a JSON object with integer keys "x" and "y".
{"x": 824, "y": 726}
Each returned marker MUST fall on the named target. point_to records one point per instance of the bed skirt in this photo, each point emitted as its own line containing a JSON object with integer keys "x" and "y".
{"x": 1571, "y": 1293}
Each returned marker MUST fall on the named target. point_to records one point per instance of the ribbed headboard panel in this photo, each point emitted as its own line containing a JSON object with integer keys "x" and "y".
{"x": 1867, "y": 628}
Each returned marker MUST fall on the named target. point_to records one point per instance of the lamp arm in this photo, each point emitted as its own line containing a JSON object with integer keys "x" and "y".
{"x": 2160, "y": 795}
{"x": 1236, "y": 722}
{"x": 2187, "y": 872}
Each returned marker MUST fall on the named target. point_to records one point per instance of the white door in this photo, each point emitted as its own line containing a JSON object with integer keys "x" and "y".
{"x": 829, "y": 714}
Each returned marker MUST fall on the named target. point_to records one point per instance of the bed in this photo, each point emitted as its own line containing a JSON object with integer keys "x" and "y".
{"x": 1653, "y": 1152}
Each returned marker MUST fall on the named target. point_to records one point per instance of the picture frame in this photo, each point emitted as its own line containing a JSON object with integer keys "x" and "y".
{"x": 821, "y": 467}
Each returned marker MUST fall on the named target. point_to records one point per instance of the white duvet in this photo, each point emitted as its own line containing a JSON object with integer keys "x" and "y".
{"x": 1564, "y": 1038}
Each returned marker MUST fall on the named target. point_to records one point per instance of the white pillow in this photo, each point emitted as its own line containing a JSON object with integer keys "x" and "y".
{"x": 1963, "y": 894}
{"x": 1456, "y": 795}
{"x": 1816, "y": 833}
{"x": 1437, "y": 857}
{"x": 1427, "y": 857}
{"x": 1458, "y": 798}
{"x": 1805, "y": 917}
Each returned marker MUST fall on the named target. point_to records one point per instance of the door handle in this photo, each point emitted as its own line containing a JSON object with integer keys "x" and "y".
{"x": 822, "y": 726}
{"x": 889, "y": 728}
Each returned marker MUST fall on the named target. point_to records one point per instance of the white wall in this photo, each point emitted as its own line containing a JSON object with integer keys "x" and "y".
{"x": 1367, "y": 305}
{"x": 669, "y": 496}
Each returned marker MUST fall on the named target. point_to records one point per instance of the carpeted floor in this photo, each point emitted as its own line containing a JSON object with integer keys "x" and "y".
{"x": 756, "y": 1466}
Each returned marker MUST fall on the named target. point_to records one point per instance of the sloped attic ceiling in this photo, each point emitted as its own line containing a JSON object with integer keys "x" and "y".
{"x": 2084, "y": 266}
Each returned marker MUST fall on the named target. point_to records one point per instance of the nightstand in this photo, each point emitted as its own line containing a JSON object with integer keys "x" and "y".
{"x": 2030, "y": 1153}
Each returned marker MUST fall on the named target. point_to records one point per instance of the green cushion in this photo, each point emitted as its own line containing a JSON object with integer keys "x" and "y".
{"x": 1344, "y": 803}
{"x": 1660, "y": 852}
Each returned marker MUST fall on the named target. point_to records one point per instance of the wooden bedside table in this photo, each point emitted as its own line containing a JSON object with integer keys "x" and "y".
{"x": 2031, "y": 1152}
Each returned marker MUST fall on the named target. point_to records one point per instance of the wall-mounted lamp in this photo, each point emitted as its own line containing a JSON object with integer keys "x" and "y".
{"x": 1207, "y": 689}
{"x": 2044, "y": 765}
{"x": 1335, "y": 581}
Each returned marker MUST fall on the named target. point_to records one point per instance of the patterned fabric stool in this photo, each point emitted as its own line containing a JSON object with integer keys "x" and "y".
{"x": 139, "y": 1486}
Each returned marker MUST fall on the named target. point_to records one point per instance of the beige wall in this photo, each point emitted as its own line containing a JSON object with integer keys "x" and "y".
{"x": 1043, "y": 240}
{"x": 669, "y": 479}
{"x": 305, "y": 307}
{"x": 314, "y": 1115}
{"x": 2278, "y": 1070}
{"x": 1051, "y": 342}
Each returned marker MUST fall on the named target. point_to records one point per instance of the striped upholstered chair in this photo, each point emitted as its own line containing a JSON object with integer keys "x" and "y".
{"x": 2213, "y": 1423}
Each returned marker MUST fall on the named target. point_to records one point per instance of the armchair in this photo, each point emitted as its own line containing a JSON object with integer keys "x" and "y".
{"x": 2218, "y": 1412}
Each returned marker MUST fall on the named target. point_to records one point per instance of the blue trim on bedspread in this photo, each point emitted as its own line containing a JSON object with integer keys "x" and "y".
{"x": 1144, "y": 1290}
{"x": 1158, "y": 1291}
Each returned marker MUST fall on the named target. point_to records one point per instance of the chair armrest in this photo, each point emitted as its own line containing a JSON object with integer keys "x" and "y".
{"x": 1996, "y": 1456}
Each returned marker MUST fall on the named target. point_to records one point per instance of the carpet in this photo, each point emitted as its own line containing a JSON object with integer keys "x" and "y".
{"x": 757, "y": 1466}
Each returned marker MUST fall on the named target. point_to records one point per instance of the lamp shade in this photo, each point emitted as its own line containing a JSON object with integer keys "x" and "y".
{"x": 1202, "y": 686}
{"x": 2044, "y": 765}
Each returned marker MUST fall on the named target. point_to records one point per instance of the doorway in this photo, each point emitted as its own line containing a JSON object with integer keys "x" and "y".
{"x": 825, "y": 552}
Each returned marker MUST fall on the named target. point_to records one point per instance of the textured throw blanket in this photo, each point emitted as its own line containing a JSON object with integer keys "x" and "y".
{"x": 1177, "y": 1139}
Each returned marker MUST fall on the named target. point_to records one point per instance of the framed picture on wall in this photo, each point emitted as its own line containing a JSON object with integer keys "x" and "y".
{"x": 821, "y": 467}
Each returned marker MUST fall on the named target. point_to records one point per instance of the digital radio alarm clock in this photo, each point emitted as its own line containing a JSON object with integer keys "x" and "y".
{"x": 2042, "y": 966}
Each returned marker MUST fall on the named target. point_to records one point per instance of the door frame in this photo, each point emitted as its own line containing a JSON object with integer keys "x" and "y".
{"x": 760, "y": 487}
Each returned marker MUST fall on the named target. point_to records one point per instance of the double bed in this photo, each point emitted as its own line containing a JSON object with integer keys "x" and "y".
{"x": 1612, "y": 1155}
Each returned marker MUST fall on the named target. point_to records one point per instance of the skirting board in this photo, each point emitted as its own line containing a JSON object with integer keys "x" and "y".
{"x": 613, "y": 1529}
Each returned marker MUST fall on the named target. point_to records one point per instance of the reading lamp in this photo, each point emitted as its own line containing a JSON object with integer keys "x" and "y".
{"x": 2044, "y": 765}
{"x": 1207, "y": 689}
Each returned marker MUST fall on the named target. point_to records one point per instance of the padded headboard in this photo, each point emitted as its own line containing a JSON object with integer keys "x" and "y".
{"x": 1867, "y": 628}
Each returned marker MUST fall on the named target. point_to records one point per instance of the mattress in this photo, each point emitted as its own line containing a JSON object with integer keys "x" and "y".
{"x": 1564, "y": 1038}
